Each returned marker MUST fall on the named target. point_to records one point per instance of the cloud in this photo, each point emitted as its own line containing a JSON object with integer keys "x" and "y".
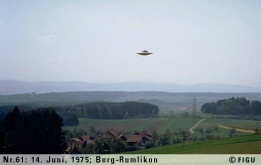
{"x": 48, "y": 38}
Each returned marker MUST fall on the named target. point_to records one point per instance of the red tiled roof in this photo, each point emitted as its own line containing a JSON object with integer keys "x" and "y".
{"x": 144, "y": 134}
{"x": 76, "y": 140}
{"x": 113, "y": 133}
{"x": 133, "y": 138}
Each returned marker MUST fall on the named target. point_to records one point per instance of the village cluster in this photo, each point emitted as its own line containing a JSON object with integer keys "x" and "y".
{"x": 109, "y": 141}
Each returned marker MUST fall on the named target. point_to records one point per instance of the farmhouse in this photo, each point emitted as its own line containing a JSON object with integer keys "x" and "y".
{"x": 133, "y": 141}
{"x": 111, "y": 134}
{"x": 78, "y": 145}
{"x": 145, "y": 135}
{"x": 75, "y": 144}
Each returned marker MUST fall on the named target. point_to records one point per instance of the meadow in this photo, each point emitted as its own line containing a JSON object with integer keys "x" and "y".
{"x": 247, "y": 144}
{"x": 235, "y": 123}
{"x": 160, "y": 125}
{"x": 129, "y": 125}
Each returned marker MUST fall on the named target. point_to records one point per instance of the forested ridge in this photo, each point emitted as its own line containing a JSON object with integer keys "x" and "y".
{"x": 233, "y": 106}
{"x": 96, "y": 110}
{"x": 116, "y": 110}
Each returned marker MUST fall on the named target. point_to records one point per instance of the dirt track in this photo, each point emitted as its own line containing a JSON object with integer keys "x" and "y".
{"x": 237, "y": 129}
{"x": 191, "y": 129}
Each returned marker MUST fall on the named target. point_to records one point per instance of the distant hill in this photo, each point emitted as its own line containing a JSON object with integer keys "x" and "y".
{"x": 165, "y": 100}
{"x": 8, "y": 87}
{"x": 167, "y": 96}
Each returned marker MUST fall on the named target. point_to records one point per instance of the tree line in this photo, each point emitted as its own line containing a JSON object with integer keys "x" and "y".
{"x": 32, "y": 132}
{"x": 97, "y": 110}
{"x": 233, "y": 106}
{"x": 116, "y": 110}
{"x": 69, "y": 117}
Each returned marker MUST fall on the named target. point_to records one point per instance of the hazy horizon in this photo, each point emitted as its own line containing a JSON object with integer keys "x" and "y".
{"x": 18, "y": 87}
{"x": 119, "y": 82}
{"x": 193, "y": 42}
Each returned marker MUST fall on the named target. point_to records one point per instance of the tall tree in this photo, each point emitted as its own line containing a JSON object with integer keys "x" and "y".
{"x": 2, "y": 135}
{"x": 11, "y": 126}
{"x": 55, "y": 136}
{"x": 33, "y": 132}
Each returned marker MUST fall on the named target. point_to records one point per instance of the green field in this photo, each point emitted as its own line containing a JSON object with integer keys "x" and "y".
{"x": 243, "y": 143}
{"x": 235, "y": 123}
{"x": 247, "y": 144}
{"x": 158, "y": 124}
{"x": 174, "y": 124}
{"x": 161, "y": 124}
{"x": 243, "y": 124}
{"x": 120, "y": 125}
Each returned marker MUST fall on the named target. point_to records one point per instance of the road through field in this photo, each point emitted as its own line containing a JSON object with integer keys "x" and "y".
{"x": 191, "y": 129}
{"x": 237, "y": 129}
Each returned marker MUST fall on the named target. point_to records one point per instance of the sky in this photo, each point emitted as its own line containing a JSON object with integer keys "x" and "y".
{"x": 193, "y": 41}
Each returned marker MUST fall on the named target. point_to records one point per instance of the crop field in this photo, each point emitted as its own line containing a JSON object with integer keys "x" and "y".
{"x": 162, "y": 124}
{"x": 174, "y": 124}
{"x": 120, "y": 125}
{"x": 247, "y": 144}
{"x": 236, "y": 123}
{"x": 233, "y": 123}
{"x": 151, "y": 124}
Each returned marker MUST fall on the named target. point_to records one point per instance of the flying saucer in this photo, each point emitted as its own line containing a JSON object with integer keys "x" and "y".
{"x": 144, "y": 53}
